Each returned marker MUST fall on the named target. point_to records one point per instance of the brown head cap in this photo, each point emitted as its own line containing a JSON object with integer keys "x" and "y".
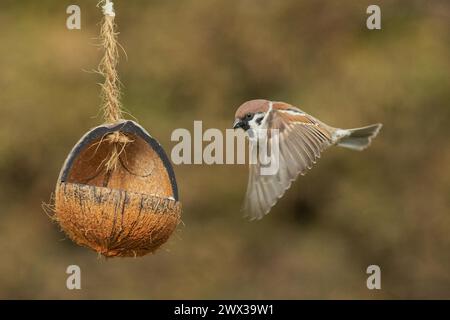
{"x": 252, "y": 106}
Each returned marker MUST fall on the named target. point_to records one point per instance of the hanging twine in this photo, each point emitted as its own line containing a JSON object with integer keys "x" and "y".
{"x": 110, "y": 89}
{"x": 108, "y": 65}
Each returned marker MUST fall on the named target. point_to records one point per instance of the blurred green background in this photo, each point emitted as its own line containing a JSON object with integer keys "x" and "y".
{"x": 199, "y": 60}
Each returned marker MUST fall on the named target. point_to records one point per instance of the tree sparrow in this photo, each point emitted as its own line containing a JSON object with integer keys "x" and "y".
{"x": 302, "y": 138}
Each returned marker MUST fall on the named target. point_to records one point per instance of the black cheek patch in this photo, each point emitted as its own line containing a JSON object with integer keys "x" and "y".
{"x": 259, "y": 120}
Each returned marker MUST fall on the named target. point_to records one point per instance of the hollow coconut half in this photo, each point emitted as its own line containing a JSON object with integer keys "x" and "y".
{"x": 127, "y": 211}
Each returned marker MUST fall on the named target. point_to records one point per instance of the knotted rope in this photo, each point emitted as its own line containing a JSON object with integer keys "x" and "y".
{"x": 110, "y": 88}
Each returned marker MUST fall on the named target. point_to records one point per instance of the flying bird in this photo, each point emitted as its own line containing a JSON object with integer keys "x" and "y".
{"x": 302, "y": 139}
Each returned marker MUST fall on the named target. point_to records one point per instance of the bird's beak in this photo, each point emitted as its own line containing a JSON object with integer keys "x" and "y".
{"x": 237, "y": 124}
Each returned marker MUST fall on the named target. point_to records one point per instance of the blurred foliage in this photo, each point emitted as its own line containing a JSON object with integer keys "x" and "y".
{"x": 198, "y": 60}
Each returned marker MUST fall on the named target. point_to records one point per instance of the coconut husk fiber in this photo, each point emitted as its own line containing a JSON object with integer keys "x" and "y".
{"x": 127, "y": 211}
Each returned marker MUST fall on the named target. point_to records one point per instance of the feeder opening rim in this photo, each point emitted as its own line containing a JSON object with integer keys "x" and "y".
{"x": 126, "y": 126}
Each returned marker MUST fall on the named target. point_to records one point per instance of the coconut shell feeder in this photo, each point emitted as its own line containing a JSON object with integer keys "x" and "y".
{"x": 116, "y": 192}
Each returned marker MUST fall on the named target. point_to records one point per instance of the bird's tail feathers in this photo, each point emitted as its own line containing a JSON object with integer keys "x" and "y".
{"x": 359, "y": 138}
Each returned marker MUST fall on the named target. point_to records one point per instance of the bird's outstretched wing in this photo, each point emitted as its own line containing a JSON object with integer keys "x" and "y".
{"x": 301, "y": 141}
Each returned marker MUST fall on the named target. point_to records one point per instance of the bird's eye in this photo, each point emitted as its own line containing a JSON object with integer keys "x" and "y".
{"x": 248, "y": 116}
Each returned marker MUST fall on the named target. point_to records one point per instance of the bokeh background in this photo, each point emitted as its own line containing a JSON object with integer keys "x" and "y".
{"x": 198, "y": 60}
